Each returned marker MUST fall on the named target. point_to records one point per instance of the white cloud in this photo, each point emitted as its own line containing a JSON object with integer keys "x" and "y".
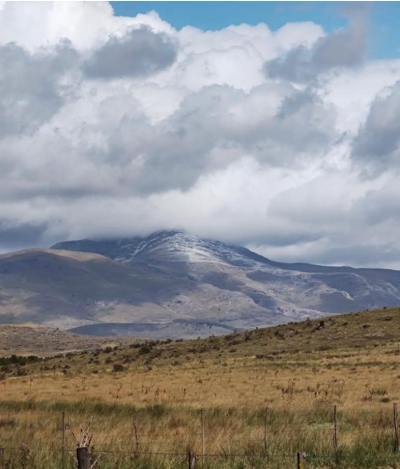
{"x": 122, "y": 126}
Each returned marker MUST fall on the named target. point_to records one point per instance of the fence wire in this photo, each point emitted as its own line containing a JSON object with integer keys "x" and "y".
{"x": 266, "y": 447}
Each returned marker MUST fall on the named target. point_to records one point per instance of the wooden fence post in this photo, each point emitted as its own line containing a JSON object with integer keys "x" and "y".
{"x": 396, "y": 428}
{"x": 335, "y": 441}
{"x": 63, "y": 439}
{"x": 2, "y": 462}
{"x": 83, "y": 456}
{"x": 136, "y": 436}
{"x": 301, "y": 461}
{"x": 266, "y": 432}
{"x": 203, "y": 443}
{"x": 192, "y": 457}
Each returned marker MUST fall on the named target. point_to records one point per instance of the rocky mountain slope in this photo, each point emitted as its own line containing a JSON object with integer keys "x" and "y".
{"x": 171, "y": 284}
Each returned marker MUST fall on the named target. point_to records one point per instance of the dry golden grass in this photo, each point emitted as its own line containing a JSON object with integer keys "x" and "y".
{"x": 349, "y": 379}
{"x": 31, "y": 339}
{"x": 299, "y": 371}
{"x": 348, "y": 360}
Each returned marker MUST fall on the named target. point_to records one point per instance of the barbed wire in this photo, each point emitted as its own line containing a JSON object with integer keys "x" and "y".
{"x": 224, "y": 455}
{"x": 193, "y": 433}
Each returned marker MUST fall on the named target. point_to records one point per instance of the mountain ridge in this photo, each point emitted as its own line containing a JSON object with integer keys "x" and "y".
{"x": 174, "y": 284}
{"x": 92, "y": 245}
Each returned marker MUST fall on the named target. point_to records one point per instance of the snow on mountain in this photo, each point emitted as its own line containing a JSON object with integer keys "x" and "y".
{"x": 236, "y": 288}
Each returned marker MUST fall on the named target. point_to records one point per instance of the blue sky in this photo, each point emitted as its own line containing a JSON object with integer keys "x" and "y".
{"x": 384, "y": 17}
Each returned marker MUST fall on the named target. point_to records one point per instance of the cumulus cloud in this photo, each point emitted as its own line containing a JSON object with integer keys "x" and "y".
{"x": 113, "y": 126}
{"x": 31, "y": 86}
{"x": 377, "y": 146}
{"x": 140, "y": 52}
{"x": 343, "y": 48}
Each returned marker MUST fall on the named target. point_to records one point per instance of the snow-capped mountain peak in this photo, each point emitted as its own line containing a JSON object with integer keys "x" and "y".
{"x": 209, "y": 280}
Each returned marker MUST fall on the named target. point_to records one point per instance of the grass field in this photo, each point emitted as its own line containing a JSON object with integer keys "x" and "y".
{"x": 30, "y": 339}
{"x": 148, "y": 397}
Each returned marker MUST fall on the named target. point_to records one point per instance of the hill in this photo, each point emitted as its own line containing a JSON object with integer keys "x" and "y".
{"x": 30, "y": 339}
{"x": 363, "y": 330}
{"x": 337, "y": 346}
{"x": 299, "y": 384}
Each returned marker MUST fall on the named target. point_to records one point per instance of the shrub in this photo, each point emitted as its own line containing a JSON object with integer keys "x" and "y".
{"x": 118, "y": 367}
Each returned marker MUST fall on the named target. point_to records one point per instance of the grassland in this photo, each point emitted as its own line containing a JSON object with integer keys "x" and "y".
{"x": 30, "y": 339}
{"x": 148, "y": 397}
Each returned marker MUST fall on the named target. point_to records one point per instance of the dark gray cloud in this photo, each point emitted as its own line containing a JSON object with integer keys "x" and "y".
{"x": 343, "y": 48}
{"x": 297, "y": 66}
{"x": 377, "y": 145}
{"x": 378, "y": 207}
{"x": 352, "y": 254}
{"x": 140, "y": 53}
{"x": 346, "y": 47}
{"x": 276, "y": 238}
{"x": 30, "y": 86}
{"x": 307, "y": 122}
{"x": 15, "y": 235}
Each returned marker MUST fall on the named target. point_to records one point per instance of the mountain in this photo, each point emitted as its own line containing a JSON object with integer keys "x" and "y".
{"x": 172, "y": 284}
{"x": 66, "y": 288}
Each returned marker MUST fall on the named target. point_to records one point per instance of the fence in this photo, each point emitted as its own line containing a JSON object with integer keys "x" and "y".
{"x": 163, "y": 437}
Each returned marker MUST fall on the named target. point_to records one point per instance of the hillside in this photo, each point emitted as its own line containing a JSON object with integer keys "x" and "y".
{"x": 147, "y": 401}
{"x": 232, "y": 288}
{"x": 65, "y": 288}
{"x": 363, "y": 330}
{"x": 174, "y": 285}
{"x": 29, "y": 339}
{"x": 355, "y": 347}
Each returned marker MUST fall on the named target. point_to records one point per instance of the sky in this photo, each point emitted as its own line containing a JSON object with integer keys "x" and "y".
{"x": 275, "y": 125}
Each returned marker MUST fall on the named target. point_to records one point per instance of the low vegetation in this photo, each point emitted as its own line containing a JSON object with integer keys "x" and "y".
{"x": 258, "y": 398}
{"x": 27, "y": 339}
